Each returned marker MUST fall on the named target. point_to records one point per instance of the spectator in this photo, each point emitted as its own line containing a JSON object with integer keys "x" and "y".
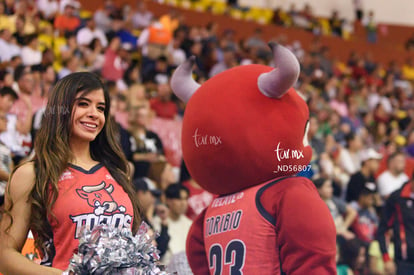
{"x": 375, "y": 260}
{"x": 5, "y": 23}
{"x": 63, "y": 3}
{"x": 305, "y": 18}
{"x": 229, "y": 61}
{"x": 228, "y": 42}
{"x": 198, "y": 198}
{"x": 25, "y": 11}
{"x": 162, "y": 104}
{"x": 19, "y": 119}
{"x": 280, "y": 17}
{"x": 316, "y": 142}
{"x": 71, "y": 65}
{"x": 366, "y": 224}
{"x": 409, "y": 44}
{"x": 103, "y": 17}
{"x": 359, "y": 10}
{"x": 163, "y": 175}
{"x": 69, "y": 48}
{"x": 256, "y": 40}
{"x": 149, "y": 146}
{"x": 47, "y": 59}
{"x": 370, "y": 163}
{"x": 370, "y": 27}
{"x": 86, "y": 34}
{"x": 175, "y": 53}
{"x": 398, "y": 215}
{"x": 114, "y": 67}
{"x": 352, "y": 257}
{"x": 31, "y": 55}
{"x": 131, "y": 75}
{"x": 349, "y": 158}
{"x": 137, "y": 95}
{"x": 154, "y": 73}
{"x": 48, "y": 79}
{"x": 6, "y": 78}
{"x": 8, "y": 49}
{"x": 394, "y": 177}
{"x": 6, "y": 163}
{"x": 141, "y": 17}
{"x": 178, "y": 224}
{"x": 48, "y": 8}
{"x": 146, "y": 194}
{"x": 171, "y": 20}
{"x": 7, "y": 97}
{"x": 19, "y": 35}
{"x": 153, "y": 42}
{"x": 408, "y": 69}
{"x": 67, "y": 21}
{"x": 124, "y": 137}
{"x": 336, "y": 24}
{"x": 342, "y": 213}
{"x": 94, "y": 56}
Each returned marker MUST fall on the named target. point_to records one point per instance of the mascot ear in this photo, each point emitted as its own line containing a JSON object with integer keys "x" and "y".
{"x": 182, "y": 82}
{"x": 278, "y": 81}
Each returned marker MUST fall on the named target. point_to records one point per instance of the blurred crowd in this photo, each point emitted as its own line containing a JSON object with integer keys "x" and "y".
{"x": 333, "y": 25}
{"x": 361, "y": 111}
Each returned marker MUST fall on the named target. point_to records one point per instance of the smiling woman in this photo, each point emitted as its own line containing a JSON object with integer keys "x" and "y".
{"x": 88, "y": 117}
{"x": 77, "y": 172}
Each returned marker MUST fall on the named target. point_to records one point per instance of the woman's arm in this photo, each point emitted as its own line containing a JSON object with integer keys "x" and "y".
{"x": 13, "y": 238}
{"x": 4, "y": 175}
{"x": 350, "y": 216}
{"x": 373, "y": 266}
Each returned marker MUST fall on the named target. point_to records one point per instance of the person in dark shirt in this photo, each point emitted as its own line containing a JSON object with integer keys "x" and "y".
{"x": 369, "y": 166}
{"x": 147, "y": 194}
{"x": 398, "y": 214}
{"x": 158, "y": 73}
{"x": 148, "y": 145}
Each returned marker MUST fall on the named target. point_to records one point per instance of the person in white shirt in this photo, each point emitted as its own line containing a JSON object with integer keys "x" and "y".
{"x": 394, "y": 177}
{"x": 49, "y": 8}
{"x": 141, "y": 17}
{"x": 63, "y": 4}
{"x": 7, "y": 48}
{"x": 85, "y": 35}
{"x": 349, "y": 158}
{"x": 19, "y": 119}
{"x": 177, "y": 222}
{"x": 31, "y": 55}
{"x": 102, "y": 17}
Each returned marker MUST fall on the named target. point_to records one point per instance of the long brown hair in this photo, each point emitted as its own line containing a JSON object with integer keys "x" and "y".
{"x": 53, "y": 153}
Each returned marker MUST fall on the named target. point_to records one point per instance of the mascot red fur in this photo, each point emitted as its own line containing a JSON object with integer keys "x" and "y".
{"x": 244, "y": 138}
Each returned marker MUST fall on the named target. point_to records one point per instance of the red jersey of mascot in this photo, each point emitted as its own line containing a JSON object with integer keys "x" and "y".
{"x": 244, "y": 138}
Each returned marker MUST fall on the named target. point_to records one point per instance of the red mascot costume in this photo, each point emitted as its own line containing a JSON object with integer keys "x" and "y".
{"x": 244, "y": 138}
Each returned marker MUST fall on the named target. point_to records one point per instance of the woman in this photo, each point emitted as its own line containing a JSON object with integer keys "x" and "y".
{"x": 342, "y": 213}
{"x": 77, "y": 179}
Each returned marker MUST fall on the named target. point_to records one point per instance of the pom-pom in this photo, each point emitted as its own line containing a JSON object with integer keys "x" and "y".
{"x": 109, "y": 250}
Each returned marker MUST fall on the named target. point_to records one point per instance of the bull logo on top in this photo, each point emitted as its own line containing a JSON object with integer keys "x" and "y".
{"x": 99, "y": 197}
{"x": 104, "y": 209}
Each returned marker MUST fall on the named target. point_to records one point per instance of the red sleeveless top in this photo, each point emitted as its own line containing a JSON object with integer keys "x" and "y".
{"x": 86, "y": 199}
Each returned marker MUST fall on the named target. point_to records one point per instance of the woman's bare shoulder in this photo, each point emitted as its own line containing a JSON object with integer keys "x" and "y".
{"x": 22, "y": 180}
